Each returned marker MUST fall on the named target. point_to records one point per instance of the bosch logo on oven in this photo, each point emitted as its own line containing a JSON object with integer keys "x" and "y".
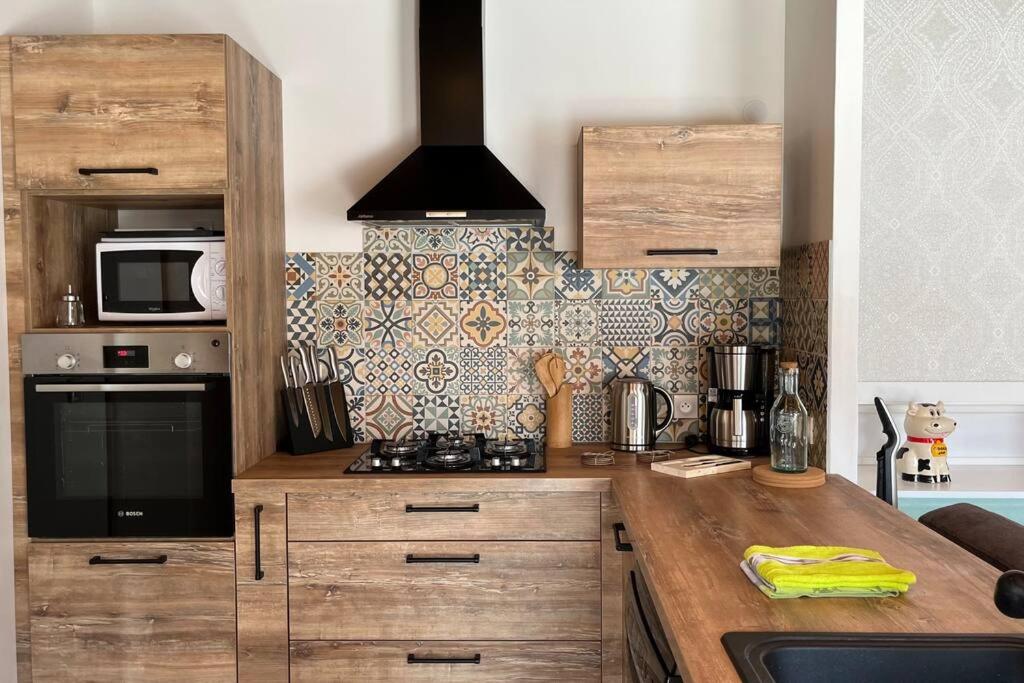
{"x": 129, "y": 513}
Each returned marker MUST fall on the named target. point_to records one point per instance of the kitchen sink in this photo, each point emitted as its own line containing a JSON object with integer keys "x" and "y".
{"x": 778, "y": 657}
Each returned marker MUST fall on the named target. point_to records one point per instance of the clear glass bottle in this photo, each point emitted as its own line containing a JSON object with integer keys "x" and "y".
{"x": 788, "y": 423}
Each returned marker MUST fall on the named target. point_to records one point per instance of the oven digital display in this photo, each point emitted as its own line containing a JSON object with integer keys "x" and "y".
{"x": 126, "y": 356}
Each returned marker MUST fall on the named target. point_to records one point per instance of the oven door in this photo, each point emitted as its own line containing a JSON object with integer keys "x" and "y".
{"x": 136, "y": 282}
{"x": 117, "y": 455}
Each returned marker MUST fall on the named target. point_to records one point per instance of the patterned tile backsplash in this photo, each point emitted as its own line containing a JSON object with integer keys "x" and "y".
{"x": 439, "y": 328}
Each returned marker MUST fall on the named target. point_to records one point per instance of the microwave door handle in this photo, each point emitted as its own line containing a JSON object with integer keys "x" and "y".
{"x": 200, "y": 282}
{"x": 117, "y": 388}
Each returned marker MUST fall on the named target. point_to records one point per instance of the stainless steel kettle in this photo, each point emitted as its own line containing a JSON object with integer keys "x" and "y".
{"x": 635, "y": 425}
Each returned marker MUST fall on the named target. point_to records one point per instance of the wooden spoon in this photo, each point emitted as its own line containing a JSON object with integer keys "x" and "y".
{"x": 541, "y": 367}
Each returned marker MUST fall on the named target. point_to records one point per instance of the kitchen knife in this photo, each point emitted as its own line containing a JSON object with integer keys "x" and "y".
{"x": 294, "y": 368}
{"x": 339, "y": 404}
{"x": 293, "y": 410}
{"x": 309, "y": 394}
{"x": 321, "y": 394}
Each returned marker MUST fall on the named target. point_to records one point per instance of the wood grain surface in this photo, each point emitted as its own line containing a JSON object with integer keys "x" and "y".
{"x": 262, "y": 633}
{"x": 120, "y": 101}
{"x": 535, "y": 590}
{"x": 132, "y": 622}
{"x": 676, "y": 187}
{"x": 611, "y": 594}
{"x": 382, "y": 516}
{"x": 320, "y": 661}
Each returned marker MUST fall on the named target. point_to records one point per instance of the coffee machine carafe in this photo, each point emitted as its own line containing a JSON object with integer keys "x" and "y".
{"x": 739, "y": 397}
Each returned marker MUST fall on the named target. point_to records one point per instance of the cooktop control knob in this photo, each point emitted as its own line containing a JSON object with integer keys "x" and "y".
{"x": 66, "y": 361}
{"x": 183, "y": 360}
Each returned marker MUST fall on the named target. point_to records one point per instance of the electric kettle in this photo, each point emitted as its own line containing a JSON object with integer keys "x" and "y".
{"x": 635, "y": 425}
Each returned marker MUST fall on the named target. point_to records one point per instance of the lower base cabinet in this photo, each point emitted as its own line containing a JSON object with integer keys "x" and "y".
{"x": 452, "y": 662}
{"x": 132, "y": 611}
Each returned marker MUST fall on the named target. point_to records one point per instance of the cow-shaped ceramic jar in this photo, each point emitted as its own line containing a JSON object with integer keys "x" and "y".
{"x": 922, "y": 458}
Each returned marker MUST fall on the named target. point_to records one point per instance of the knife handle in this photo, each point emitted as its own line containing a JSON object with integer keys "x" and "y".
{"x": 284, "y": 372}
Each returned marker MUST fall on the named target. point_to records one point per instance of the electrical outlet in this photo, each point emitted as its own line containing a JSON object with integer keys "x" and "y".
{"x": 685, "y": 406}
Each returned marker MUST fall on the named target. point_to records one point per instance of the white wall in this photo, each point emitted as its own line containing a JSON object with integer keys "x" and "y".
{"x": 350, "y": 86}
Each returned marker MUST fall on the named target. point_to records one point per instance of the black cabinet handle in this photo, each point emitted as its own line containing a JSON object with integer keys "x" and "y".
{"x": 670, "y": 675}
{"x": 413, "y": 659}
{"x": 620, "y": 545}
{"x": 682, "y": 252}
{"x": 443, "y": 508}
{"x": 99, "y": 559}
{"x": 101, "y": 171}
{"x": 442, "y": 559}
{"x": 256, "y": 512}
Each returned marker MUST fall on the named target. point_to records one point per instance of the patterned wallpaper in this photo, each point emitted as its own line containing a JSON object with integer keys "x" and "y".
{"x": 942, "y": 239}
{"x": 438, "y": 328}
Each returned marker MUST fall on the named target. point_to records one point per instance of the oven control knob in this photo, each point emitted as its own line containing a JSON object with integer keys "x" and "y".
{"x": 66, "y": 361}
{"x": 183, "y": 360}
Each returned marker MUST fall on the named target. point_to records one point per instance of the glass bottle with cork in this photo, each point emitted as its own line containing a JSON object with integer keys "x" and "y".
{"x": 789, "y": 433}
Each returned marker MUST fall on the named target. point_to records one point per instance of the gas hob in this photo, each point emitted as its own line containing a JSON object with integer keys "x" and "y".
{"x": 464, "y": 453}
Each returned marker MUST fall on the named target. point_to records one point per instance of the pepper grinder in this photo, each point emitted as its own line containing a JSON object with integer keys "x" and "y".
{"x": 70, "y": 312}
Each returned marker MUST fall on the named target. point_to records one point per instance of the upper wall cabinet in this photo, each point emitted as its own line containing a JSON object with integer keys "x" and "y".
{"x": 124, "y": 111}
{"x": 680, "y": 196}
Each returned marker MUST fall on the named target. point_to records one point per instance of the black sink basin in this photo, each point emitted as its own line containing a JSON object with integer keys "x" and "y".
{"x": 875, "y": 657}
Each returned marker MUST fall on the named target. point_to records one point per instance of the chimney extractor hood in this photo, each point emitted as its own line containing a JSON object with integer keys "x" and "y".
{"x": 452, "y": 177}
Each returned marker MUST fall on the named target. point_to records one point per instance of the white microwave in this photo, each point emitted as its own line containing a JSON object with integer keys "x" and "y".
{"x": 161, "y": 276}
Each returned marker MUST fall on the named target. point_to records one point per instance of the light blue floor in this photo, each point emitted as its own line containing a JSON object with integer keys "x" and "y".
{"x": 1013, "y": 508}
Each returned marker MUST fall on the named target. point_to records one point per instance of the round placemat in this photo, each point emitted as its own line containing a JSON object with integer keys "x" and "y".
{"x": 766, "y": 476}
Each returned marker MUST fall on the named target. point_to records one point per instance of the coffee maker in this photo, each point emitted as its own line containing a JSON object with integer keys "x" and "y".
{"x": 740, "y": 394}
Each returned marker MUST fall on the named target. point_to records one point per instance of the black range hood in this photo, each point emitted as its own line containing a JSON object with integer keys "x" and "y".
{"x": 452, "y": 178}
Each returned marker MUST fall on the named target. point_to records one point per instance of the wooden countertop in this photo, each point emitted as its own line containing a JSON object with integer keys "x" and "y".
{"x": 689, "y": 537}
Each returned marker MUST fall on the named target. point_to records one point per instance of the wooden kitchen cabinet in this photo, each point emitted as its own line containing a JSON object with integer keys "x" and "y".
{"x": 132, "y": 611}
{"x": 680, "y": 196}
{"x": 153, "y": 104}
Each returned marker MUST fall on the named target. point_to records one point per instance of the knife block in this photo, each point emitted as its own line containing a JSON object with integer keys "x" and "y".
{"x": 559, "y": 418}
{"x": 300, "y": 437}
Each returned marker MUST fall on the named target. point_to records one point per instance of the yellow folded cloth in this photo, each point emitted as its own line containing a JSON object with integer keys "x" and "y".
{"x": 823, "y": 571}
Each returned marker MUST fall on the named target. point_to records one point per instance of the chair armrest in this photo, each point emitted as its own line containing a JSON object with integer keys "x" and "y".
{"x": 994, "y": 538}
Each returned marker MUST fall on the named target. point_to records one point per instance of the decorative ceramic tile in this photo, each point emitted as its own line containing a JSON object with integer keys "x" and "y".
{"x": 386, "y": 275}
{"x": 725, "y": 283}
{"x": 435, "y": 276}
{"x": 388, "y": 371}
{"x": 625, "y": 361}
{"x": 339, "y": 323}
{"x": 674, "y": 368}
{"x": 765, "y": 333}
{"x": 472, "y": 237}
{"x": 764, "y": 282}
{"x": 484, "y": 414}
{"x": 483, "y": 275}
{"x": 339, "y": 276}
{"x": 299, "y": 275}
{"x": 483, "y": 370}
{"x": 435, "y": 414}
{"x": 573, "y": 282}
{"x": 526, "y": 416}
{"x": 351, "y": 368}
{"x": 584, "y": 369}
{"x": 578, "y": 322}
{"x": 724, "y": 321}
{"x": 679, "y": 429}
{"x": 530, "y": 238}
{"x": 764, "y": 321}
{"x": 436, "y": 371}
{"x": 387, "y": 239}
{"x": 439, "y": 239}
{"x": 589, "y": 422}
{"x": 675, "y": 283}
{"x": 625, "y": 322}
{"x": 625, "y": 283}
{"x": 531, "y": 323}
{"x": 435, "y": 323}
{"x": 388, "y": 416}
{"x": 484, "y": 323}
{"x": 676, "y": 321}
{"x": 357, "y": 417}
{"x": 531, "y": 275}
{"x": 522, "y": 375}
{"x": 388, "y": 323}
{"x": 301, "y": 317}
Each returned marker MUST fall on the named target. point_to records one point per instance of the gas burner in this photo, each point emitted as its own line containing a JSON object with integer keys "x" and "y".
{"x": 452, "y": 440}
{"x": 450, "y": 452}
{"x": 401, "y": 447}
{"x": 449, "y": 459}
{"x": 506, "y": 447}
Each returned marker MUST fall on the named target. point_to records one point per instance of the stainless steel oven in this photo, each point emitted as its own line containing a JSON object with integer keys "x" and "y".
{"x": 128, "y": 435}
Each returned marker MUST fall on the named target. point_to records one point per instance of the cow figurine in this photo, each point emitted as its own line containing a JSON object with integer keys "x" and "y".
{"x": 922, "y": 457}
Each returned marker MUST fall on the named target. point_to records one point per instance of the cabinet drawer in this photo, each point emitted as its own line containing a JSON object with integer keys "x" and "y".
{"x": 420, "y": 516}
{"x": 99, "y": 614}
{"x": 445, "y": 590}
{"x": 119, "y": 102}
{"x": 390, "y": 661}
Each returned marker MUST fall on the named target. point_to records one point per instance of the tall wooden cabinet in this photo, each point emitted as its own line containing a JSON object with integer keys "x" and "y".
{"x": 90, "y": 125}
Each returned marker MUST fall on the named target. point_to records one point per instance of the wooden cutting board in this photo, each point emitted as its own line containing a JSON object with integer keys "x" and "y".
{"x": 700, "y": 466}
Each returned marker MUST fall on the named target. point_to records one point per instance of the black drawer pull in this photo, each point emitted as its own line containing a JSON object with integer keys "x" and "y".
{"x": 98, "y": 559}
{"x": 413, "y": 659}
{"x": 101, "y": 171}
{"x": 621, "y": 545}
{"x": 443, "y": 559}
{"x": 682, "y": 252}
{"x": 256, "y": 512}
{"x": 475, "y": 507}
